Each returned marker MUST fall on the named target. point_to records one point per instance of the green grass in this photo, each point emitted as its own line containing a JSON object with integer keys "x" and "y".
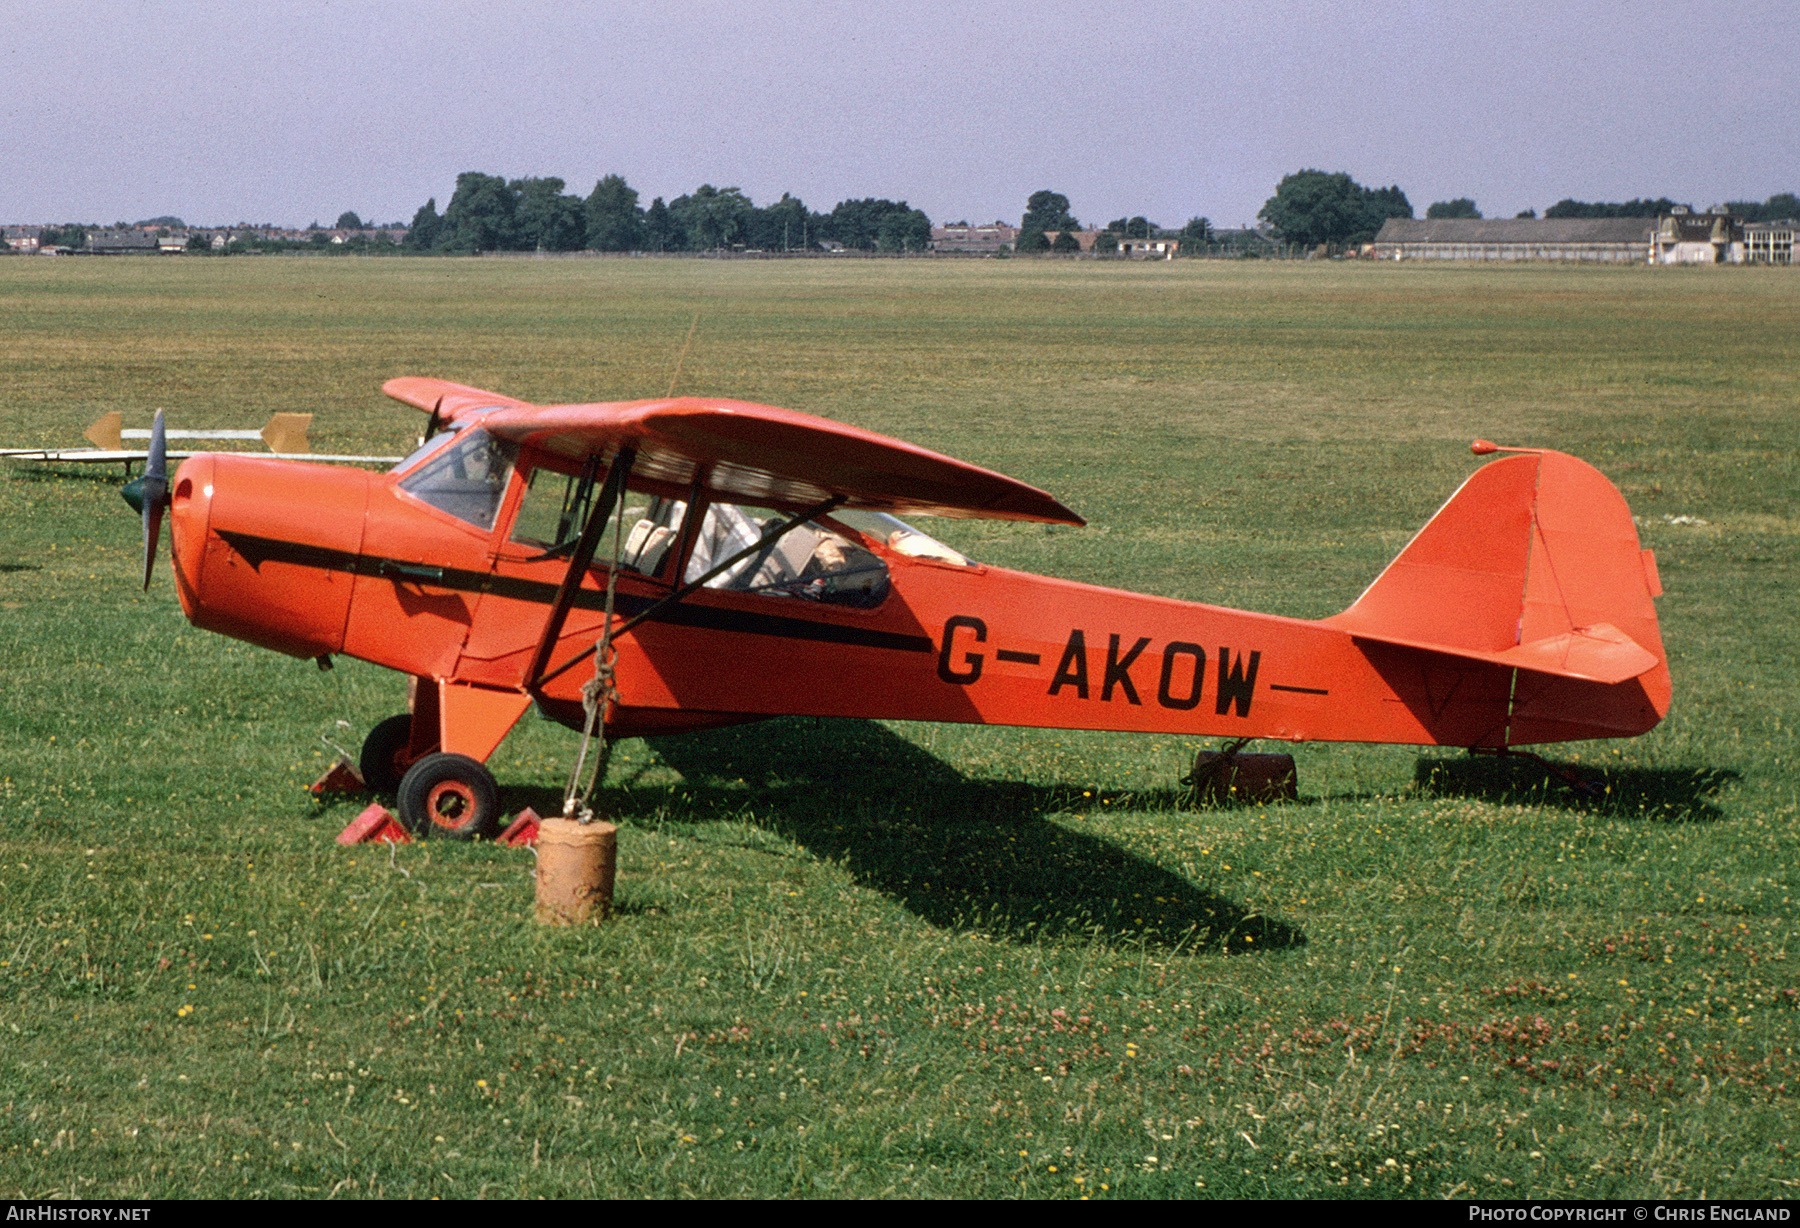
{"x": 872, "y": 960}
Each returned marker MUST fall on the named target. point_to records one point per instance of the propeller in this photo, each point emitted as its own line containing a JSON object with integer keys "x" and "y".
{"x": 149, "y": 494}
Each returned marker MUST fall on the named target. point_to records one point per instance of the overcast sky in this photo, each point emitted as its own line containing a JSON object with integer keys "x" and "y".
{"x": 290, "y": 112}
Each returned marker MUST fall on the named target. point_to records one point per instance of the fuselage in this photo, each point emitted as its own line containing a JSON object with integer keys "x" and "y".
{"x": 443, "y": 570}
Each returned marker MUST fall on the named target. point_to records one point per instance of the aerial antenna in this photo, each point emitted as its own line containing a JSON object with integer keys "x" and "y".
{"x": 685, "y": 347}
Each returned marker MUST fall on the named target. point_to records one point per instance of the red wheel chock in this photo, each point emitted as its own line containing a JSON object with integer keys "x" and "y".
{"x": 342, "y": 778}
{"x": 522, "y": 831}
{"x": 378, "y": 824}
{"x": 375, "y": 825}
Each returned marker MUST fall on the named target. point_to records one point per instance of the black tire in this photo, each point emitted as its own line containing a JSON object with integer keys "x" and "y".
{"x": 450, "y": 796}
{"x": 386, "y": 754}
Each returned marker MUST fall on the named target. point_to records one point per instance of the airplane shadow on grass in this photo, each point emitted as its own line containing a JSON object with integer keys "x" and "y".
{"x": 1662, "y": 795}
{"x": 960, "y": 853}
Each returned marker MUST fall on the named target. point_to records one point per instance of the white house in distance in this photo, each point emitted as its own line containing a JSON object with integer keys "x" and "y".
{"x": 982, "y": 240}
{"x": 962, "y": 238}
{"x": 1771, "y": 242}
{"x": 1698, "y": 238}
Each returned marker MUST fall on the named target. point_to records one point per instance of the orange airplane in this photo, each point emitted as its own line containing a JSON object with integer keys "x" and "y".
{"x": 754, "y": 567}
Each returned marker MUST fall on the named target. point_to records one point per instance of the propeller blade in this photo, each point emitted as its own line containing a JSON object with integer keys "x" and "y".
{"x": 155, "y": 494}
{"x": 153, "y": 518}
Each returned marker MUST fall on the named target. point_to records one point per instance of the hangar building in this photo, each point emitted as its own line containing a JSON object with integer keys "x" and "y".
{"x": 1608, "y": 239}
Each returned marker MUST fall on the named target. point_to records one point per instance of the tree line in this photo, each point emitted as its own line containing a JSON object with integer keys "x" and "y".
{"x": 488, "y": 213}
{"x": 1313, "y": 208}
{"x": 1779, "y": 207}
{"x": 1310, "y": 208}
{"x": 1047, "y": 213}
{"x": 1316, "y": 209}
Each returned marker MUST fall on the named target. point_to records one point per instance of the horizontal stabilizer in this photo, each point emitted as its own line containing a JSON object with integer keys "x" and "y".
{"x": 1600, "y": 653}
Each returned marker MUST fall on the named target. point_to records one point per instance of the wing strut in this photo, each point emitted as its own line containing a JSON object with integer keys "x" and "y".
{"x": 578, "y": 565}
{"x": 768, "y": 538}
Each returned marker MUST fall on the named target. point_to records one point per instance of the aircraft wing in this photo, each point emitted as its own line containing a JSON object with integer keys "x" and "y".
{"x": 744, "y": 453}
{"x": 71, "y": 455}
{"x": 285, "y": 436}
{"x": 450, "y": 403}
{"x": 85, "y": 456}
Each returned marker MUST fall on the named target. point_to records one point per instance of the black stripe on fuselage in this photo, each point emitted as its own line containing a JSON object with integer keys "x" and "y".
{"x": 259, "y": 550}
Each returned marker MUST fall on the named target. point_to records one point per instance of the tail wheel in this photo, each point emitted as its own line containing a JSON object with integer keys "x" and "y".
{"x": 386, "y": 754}
{"x": 449, "y": 795}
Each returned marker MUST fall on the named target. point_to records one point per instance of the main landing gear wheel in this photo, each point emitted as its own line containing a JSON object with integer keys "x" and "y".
{"x": 386, "y": 754}
{"x": 449, "y": 795}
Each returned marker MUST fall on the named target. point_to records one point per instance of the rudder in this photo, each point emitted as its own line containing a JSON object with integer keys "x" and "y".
{"x": 1533, "y": 564}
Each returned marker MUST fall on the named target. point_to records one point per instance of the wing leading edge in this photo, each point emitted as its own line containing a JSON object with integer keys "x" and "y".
{"x": 747, "y": 453}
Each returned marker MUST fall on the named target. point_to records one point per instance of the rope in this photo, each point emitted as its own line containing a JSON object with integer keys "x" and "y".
{"x": 598, "y": 691}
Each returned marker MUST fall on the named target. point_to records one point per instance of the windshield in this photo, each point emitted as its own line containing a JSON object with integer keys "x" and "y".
{"x": 467, "y": 479}
{"x": 898, "y": 536}
{"x": 426, "y": 447}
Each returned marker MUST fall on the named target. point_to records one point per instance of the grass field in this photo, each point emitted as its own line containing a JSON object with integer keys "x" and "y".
{"x": 891, "y": 960}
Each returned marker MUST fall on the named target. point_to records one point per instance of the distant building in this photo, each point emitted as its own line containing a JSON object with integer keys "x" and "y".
{"x": 1698, "y": 238}
{"x": 1242, "y": 241}
{"x": 1157, "y": 247}
{"x": 975, "y": 240}
{"x": 1615, "y": 240}
{"x": 121, "y": 243}
{"x": 24, "y": 238}
{"x": 1084, "y": 239}
{"x": 1161, "y": 246}
{"x": 1771, "y": 242}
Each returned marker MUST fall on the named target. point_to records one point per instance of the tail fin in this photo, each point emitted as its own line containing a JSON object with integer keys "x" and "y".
{"x": 286, "y": 434}
{"x": 1534, "y": 564}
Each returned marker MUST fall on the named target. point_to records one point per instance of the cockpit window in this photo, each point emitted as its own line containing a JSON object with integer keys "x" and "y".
{"x": 554, "y": 510}
{"x": 467, "y": 479}
{"x": 652, "y": 534}
{"x": 426, "y": 447}
{"x": 812, "y": 561}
